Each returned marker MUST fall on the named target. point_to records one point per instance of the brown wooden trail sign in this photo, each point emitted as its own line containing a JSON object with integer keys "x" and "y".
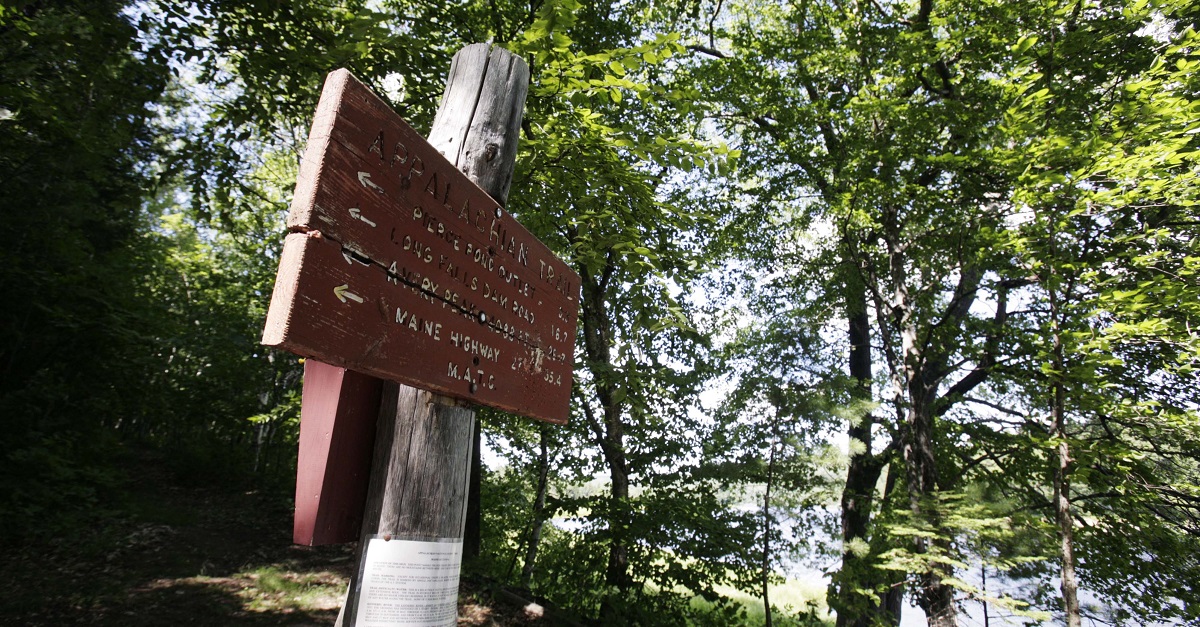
{"x": 400, "y": 267}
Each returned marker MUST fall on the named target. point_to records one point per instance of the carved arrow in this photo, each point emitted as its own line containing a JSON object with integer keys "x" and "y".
{"x": 353, "y": 255}
{"x": 355, "y": 212}
{"x": 343, "y": 294}
{"x": 365, "y": 179}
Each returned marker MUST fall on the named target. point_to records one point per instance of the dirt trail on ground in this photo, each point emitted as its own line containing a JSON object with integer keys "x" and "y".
{"x": 190, "y": 555}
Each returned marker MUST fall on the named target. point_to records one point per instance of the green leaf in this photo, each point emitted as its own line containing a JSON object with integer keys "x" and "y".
{"x": 1024, "y": 44}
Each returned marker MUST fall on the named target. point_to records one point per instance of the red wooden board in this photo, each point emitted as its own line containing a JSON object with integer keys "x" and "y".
{"x": 400, "y": 267}
{"x": 337, "y": 436}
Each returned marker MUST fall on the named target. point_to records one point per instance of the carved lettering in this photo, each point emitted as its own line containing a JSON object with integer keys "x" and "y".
{"x": 477, "y": 377}
{"x": 428, "y": 289}
{"x": 512, "y": 279}
{"x": 416, "y": 168}
{"x": 482, "y": 281}
{"x": 437, "y": 227}
{"x": 481, "y": 256}
{"x": 399, "y": 153}
{"x": 473, "y": 346}
{"x": 494, "y": 295}
{"x": 431, "y": 187}
{"x": 399, "y": 156}
{"x": 377, "y": 145}
{"x": 428, "y": 327}
{"x": 523, "y": 312}
{"x": 418, "y": 248}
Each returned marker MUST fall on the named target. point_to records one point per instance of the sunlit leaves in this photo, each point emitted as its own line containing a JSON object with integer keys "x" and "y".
{"x": 1107, "y": 179}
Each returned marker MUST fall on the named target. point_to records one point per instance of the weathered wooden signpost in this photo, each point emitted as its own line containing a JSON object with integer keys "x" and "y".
{"x": 402, "y": 268}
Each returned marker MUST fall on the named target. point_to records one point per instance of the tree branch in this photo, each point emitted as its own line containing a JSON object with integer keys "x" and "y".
{"x": 984, "y": 369}
{"x": 712, "y": 52}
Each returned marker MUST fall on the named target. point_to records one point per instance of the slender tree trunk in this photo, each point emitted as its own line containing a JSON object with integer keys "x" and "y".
{"x": 1062, "y": 511}
{"x": 617, "y": 573}
{"x": 893, "y": 599}
{"x": 987, "y": 622}
{"x": 1062, "y": 467}
{"x": 609, "y": 431}
{"x": 539, "y": 508}
{"x": 766, "y": 511}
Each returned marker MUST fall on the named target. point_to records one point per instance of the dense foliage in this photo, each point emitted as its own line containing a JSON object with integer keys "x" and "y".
{"x": 906, "y": 289}
{"x": 77, "y": 146}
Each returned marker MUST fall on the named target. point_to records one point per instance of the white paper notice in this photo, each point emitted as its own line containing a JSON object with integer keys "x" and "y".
{"x": 409, "y": 583}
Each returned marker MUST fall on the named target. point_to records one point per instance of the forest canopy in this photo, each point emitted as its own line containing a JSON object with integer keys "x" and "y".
{"x": 887, "y": 295}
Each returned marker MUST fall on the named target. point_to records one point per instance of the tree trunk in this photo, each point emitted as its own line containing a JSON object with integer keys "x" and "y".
{"x": 917, "y": 362}
{"x": 539, "y": 508}
{"x": 987, "y": 621}
{"x": 855, "y": 609}
{"x": 1062, "y": 467}
{"x": 934, "y": 596}
{"x": 617, "y": 573}
{"x": 1062, "y": 511}
{"x": 893, "y": 599}
{"x": 609, "y": 432}
{"x": 766, "y": 542}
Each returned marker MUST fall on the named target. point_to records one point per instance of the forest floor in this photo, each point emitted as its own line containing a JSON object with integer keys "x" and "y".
{"x": 183, "y": 554}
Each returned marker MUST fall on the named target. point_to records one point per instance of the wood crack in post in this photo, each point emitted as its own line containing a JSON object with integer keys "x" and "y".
{"x": 462, "y": 160}
{"x": 403, "y": 466}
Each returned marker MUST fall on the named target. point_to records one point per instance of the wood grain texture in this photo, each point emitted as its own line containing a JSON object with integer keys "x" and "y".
{"x": 419, "y": 484}
{"x": 491, "y": 93}
{"x": 419, "y": 474}
{"x": 458, "y": 100}
{"x": 409, "y": 233}
{"x": 485, "y": 150}
{"x": 397, "y": 332}
{"x": 424, "y": 443}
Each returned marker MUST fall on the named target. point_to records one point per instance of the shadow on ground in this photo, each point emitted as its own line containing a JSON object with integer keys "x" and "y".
{"x": 176, "y": 556}
{"x": 188, "y": 554}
